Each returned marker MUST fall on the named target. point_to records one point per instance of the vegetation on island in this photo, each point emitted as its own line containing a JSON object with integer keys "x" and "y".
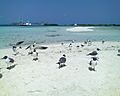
{"x": 51, "y": 24}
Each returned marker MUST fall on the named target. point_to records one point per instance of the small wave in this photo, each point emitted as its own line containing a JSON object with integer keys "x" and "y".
{"x": 80, "y": 29}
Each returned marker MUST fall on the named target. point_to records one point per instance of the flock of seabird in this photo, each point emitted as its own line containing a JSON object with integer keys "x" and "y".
{"x": 61, "y": 62}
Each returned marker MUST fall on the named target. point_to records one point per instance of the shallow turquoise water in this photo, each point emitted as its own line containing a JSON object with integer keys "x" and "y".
{"x": 9, "y": 35}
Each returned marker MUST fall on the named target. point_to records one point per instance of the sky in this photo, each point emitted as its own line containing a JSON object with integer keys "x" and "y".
{"x": 60, "y": 11}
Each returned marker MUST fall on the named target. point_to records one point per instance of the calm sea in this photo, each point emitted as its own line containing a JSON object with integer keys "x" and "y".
{"x": 10, "y": 35}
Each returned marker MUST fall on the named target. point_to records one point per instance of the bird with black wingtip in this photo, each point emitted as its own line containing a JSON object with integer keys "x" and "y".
{"x": 62, "y": 61}
{"x": 10, "y": 61}
{"x": 93, "y": 53}
{"x": 93, "y": 63}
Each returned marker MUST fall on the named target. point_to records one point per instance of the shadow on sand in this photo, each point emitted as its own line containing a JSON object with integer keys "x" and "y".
{"x": 90, "y": 68}
{"x": 1, "y": 75}
{"x": 11, "y": 67}
{"x": 61, "y": 66}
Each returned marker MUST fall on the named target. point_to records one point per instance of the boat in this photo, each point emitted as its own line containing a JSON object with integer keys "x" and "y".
{"x": 25, "y": 24}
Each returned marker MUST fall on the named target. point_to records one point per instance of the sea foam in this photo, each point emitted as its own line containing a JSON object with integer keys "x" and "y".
{"x": 80, "y": 29}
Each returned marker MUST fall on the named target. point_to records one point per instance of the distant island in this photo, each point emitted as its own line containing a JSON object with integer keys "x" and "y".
{"x": 49, "y": 24}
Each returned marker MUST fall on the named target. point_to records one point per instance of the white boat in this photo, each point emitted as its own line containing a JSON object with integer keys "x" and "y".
{"x": 25, "y": 24}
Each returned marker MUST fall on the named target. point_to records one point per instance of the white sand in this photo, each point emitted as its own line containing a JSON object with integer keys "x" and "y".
{"x": 43, "y": 78}
{"x": 79, "y": 29}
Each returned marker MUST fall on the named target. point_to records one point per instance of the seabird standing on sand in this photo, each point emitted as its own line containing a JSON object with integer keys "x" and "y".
{"x": 8, "y": 60}
{"x": 73, "y": 41}
{"x": 94, "y": 53}
{"x": 103, "y": 42}
{"x": 93, "y": 63}
{"x": 85, "y": 42}
{"x": 34, "y": 44}
{"x": 118, "y": 52}
{"x": 82, "y": 45}
{"x": 70, "y": 45}
{"x": 62, "y": 61}
{"x": 89, "y": 43}
{"x": 35, "y": 54}
{"x": 62, "y": 43}
{"x": 14, "y": 48}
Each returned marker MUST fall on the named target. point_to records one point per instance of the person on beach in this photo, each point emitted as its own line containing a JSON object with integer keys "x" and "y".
{"x": 93, "y": 63}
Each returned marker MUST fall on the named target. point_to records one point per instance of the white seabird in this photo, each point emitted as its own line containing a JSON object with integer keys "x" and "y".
{"x": 8, "y": 60}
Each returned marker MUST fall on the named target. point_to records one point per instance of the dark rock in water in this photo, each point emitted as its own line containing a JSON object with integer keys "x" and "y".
{"x": 1, "y": 75}
{"x": 53, "y": 35}
{"x": 11, "y": 67}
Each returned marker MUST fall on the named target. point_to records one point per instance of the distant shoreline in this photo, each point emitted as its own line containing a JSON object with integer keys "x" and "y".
{"x": 61, "y": 25}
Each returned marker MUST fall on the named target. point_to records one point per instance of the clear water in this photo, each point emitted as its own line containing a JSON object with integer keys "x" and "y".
{"x": 10, "y": 35}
